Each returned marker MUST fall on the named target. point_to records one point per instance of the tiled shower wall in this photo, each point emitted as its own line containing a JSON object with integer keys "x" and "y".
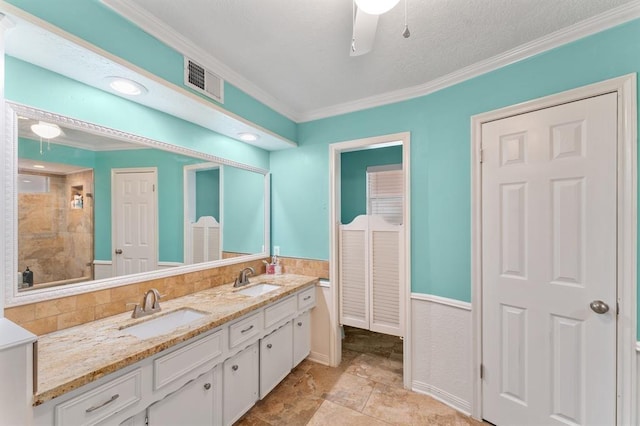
{"x": 54, "y": 240}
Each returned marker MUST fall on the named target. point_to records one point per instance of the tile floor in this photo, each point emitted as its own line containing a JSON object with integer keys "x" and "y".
{"x": 366, "y": 389}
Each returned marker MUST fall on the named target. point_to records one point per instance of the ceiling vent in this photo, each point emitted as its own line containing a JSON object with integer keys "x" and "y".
{"x": 202, "y": 80}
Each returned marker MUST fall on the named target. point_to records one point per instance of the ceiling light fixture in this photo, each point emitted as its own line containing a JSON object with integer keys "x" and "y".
{"x": 376, "y": 7}
{"x": 248, "y": 137}
{"x": 46, "y": 130}
{"x": 126, "y": 86}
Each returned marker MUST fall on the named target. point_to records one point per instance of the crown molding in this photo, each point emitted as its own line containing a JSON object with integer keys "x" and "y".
{"x": 593, "y": 25}
{"x": 156, "y": 28}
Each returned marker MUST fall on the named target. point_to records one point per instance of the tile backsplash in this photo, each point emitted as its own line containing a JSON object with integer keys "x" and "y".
{"x": 58, "y": 314}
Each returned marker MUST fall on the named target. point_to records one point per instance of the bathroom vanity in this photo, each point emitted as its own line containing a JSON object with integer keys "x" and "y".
{"x": 230, "y": 351}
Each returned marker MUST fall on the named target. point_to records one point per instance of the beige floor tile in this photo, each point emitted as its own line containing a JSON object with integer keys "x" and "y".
{"x": 401, "y": 407}
{"x": 334, "y": 414}
{"x": 285, "y": 405}
{"x": 377, "y": 368}
{"x": 350, "y": 391}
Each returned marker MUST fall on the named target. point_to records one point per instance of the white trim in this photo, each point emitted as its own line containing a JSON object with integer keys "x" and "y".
{"x": 156, "y": 28}
{"x": 335, "y": 149}
{"x": 102, "y": 262}
{"x": 169, "y": 264}
{"x": 452, "y": 401}
{"x": 625, "y": 86}
{"x": 189, "y": 203}
{"x": 637, "y": 346}
{"x": 595, "y": 24}
{"x": 9, "y": 161}
{"x": 319, "y": 358}
{"x": 441, "y": 300}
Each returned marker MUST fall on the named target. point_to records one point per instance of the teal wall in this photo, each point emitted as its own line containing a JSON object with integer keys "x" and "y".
{"x": 100, "y": 26}
{"x": 28, "y": 148}
{"x": 170, "y": 189}
{"x": 243, "y": 220}
{"x": 170, "y": 198}
{"x": 353, "y": 170}
{"x": 208, "y": 193}
{"x": 40, "y": 88}
{"x": 440, "y": 155}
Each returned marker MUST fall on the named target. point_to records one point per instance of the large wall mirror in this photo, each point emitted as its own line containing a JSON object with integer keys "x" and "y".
{"x": 95, "y": 207}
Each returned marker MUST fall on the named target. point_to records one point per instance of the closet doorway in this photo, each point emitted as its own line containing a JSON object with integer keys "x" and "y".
{"x": 356, "y": 198}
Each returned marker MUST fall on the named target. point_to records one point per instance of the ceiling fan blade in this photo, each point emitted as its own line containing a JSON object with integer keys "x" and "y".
{"x": 364, "y": 33}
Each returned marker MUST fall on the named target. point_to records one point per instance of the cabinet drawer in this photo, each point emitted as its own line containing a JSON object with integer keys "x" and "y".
{"x": 98, "y": 404}
{"x": 245, "y": 329}
{"x": 178, "y": 363}
{"x": 307, "y": 298}
{"x": 279, "y": 311}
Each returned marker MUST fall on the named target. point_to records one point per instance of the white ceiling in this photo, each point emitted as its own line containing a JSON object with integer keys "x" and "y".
{"x": 295, "y": 53}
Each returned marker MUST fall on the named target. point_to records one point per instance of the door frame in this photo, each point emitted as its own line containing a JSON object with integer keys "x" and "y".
{"x": 114, "y": 233}
{"x": 189, "y": 201}
{"x": 335, "y": 149}
{"x": 625, "y": 87}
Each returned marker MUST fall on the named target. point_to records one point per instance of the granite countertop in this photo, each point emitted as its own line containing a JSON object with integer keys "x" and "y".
{"x": 71, "y": 358}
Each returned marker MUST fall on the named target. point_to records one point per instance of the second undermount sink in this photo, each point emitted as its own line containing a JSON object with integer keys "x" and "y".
{"x": 163, "y": 324}
{"x": 258, "y": 289}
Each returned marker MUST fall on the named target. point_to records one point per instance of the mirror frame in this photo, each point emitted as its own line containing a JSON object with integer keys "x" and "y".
{"x": 12, "y": 297}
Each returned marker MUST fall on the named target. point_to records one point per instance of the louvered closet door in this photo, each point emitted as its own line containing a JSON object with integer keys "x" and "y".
{"x": 385, "y": 277}
{"x": 354, "y": 266}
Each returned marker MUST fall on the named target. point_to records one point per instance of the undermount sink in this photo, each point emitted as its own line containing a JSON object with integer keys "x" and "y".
{"x": 258, "y": 289}
{"x": 163, "y": 324}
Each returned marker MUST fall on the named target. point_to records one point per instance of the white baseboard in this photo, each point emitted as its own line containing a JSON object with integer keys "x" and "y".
{"x": 319, "y": 358}
{"x": 442, "y": 396}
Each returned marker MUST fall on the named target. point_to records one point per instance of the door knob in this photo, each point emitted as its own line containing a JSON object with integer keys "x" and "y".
{"x": 118, "y": 251}
{"x": 599, "y": 307}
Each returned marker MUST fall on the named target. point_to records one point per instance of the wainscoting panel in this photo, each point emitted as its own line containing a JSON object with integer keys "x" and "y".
{"x": 441, "y": 345}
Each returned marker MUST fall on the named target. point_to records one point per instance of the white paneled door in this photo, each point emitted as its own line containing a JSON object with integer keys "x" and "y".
{"x": 134, "y": 221}
{"x": 549, "y": 265}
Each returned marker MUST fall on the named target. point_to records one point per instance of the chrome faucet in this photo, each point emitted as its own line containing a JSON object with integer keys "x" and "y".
{"x": 150, "y": 304}
{"x": 243, "y": 278}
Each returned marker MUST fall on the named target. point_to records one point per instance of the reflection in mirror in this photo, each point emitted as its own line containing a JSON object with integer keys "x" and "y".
{"x": 92, "y": 206}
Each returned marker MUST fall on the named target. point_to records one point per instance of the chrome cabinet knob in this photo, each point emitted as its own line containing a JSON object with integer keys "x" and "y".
{"x": 234, "y": 368}
{"x": 599, "y": 307}
{"x": 207, "y": 386}
{"x": 269, "y": 346}
{"x": 118, "y": 251}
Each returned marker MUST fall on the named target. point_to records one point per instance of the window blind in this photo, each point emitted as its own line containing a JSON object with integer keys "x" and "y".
{"x": 385, "y": 192}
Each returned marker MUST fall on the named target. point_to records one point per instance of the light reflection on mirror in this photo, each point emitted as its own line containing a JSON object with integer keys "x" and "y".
{"x": 80, "y": 215}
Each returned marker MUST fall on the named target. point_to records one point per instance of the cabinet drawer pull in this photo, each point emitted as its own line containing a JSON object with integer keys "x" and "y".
{"x": 234, "y": 367}
{"x": 95, "y": 407}
{"x": 269, "y": 346}
{"x": 307, "y": 298}
{"x": 207, "y": 386}
{"x": 300, "y": 324}
{"x": 246, "y": 329}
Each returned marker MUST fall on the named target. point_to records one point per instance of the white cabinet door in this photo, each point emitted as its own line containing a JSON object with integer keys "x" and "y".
{"x": 240, "y": 384}
{"x": 301, "y": 338}
{"x": 139, "y": 419}
{"x": 276, "y": 358}
{"x": 193, "y": 404}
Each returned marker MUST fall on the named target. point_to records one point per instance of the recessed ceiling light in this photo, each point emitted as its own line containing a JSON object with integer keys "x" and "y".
{"x": 126, "y": 86}
{"x": 248, "y": 137}
{"x": 46, "y": 130}
{"x": 38, "y": 166}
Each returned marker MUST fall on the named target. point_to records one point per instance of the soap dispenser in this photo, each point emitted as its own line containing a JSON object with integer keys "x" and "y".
{"x": 27, "y": 277}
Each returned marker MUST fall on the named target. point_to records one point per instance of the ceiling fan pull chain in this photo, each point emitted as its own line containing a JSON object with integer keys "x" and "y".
{"x": 406, "y": 33}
